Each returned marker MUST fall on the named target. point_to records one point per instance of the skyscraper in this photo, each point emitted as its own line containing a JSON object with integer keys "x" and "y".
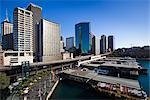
{"x": 37, "y": 15}
{"x": 23, "y": 29}
{"x": 62, "y": 45}
{"x": 49, "y": 41}
{"x": 82, "y": 36}
{"x": 92, "y": 43}
{"x": 111, "y": 43}
{"x": 69, "y": 42}
{"x": 7, "y": 34}
{"x": 97, "y": 46}
{"x": 103, "y": 44}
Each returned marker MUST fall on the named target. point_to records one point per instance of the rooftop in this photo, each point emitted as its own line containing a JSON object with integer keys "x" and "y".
{"x": 121, "y": 65}
{"x": 24, "y": 10}
{"x": 34, "y": 5}
{"x": 102, "y": 78}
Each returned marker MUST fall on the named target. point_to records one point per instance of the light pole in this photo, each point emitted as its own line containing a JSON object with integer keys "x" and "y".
{"x": 44, "y": 87}
{"x": 39, "y": 92}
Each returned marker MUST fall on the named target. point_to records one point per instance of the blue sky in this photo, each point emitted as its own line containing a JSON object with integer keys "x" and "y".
{"x": 127, "y": 20}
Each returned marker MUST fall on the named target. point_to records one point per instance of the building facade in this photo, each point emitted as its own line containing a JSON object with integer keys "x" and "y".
{"x": 92, "y": 44}
{"x": 6, "y": 27}
{"x": 69, "y": 42}
{"x": 7, "y": 41}
{"x": 97, "y": 46}
{"x": 12, "y": 58}
{"x": 103, "y": 44}
{"x": 67, "y": 55}
{"x": 37, "y": 15}
{"x": 82, "y": 36}
{"x": 7, "y": 34}
{"x": 49, "y": 41}
{"x": 23, "y": 29}
{"x": 111, "y": 43}
{"x": 1, "y": 56}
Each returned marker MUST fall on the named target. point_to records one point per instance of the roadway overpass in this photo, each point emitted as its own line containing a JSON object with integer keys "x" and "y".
{"x": 38, "y": 64}
{"x": 17, "y": 70}
{"x": 59, "y": 62}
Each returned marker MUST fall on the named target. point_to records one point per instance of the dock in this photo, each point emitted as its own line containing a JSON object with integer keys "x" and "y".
{"x": 103, "y": 78}
{"x": 121, "y": 67}
{"x": 119, "y": 87}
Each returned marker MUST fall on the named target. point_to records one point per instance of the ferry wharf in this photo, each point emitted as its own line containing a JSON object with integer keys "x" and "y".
{"x": 114, "y": 86}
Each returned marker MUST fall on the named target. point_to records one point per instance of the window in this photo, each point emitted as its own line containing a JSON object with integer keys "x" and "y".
{"x": 21, "y": 54}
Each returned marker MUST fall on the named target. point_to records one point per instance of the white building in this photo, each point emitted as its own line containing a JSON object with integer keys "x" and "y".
{"x": 23, "y": 29}
{"x": 12, "y": 58}
{"x": 67, "y": 55}
{"x": 49, "y": 41}
{"x": 97, "y": 46}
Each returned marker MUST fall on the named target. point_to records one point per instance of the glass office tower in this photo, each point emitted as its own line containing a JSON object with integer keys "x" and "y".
{"x": 82, "y": 37}
{"x": 69, "y": 42}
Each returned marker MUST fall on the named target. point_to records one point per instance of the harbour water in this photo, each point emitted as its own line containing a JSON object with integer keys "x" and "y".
{"x": 73, "y": 90}
{"x": 145, "y": 79}
{"x": 67, "y": 89}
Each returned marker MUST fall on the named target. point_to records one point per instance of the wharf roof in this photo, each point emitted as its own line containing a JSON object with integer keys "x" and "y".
{"x": 103, "y": 78}
{"x": 129, "y": 65}
{"x": 121, "y": 65}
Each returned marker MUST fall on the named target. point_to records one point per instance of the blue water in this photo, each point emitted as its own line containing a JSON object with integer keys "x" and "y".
{"x": 73, "y": 90}
{"x": 145, "y": 79}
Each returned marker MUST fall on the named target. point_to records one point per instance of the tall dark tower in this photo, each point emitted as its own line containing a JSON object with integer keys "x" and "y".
{"x": 93, "y": 44}
{"x": 110, "y": 43}
{"x": 7, "y": 34}
{"x": 103, "y": 44}
{"x": 37, "y": 15}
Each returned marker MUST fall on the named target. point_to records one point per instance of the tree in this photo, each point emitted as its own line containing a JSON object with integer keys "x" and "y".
{"x": 4, "y": 81}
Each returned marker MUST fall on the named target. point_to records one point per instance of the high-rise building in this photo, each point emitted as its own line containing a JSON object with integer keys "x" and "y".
{"x": 23, "y": 29}
{"x": 37, "y": 15}
{"x": 97, "y": 46}
{"x": 110, "y": 43}
{"x": 92, "y": 43}
{"x": 103, "y": 44}
{"x": 69, "y": 42}
{"x": 49, "y": 41}
{"x": 62, "y": 45}
{"x": 7, "y": 34}
{"x": 6, "y": 27}
{"x": 82, "y": 36}
{"x": 7, "y": 42}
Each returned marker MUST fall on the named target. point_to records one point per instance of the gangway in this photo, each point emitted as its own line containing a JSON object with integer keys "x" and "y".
{"x": 93, "y": 58}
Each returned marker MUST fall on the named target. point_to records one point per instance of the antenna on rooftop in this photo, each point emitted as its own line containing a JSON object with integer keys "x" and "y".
{"x": 6, "y": 15}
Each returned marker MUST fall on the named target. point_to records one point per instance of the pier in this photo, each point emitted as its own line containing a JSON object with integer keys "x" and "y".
{"x": 119, "y": 67}
{"x": 119, "y": 87}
